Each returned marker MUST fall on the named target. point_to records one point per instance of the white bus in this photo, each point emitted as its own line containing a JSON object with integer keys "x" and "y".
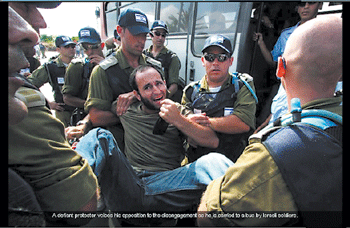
{"x": 190, "y": 23}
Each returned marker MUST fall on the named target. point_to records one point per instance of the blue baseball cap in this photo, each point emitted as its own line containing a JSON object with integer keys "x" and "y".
{"x": 62, "y": 41}
{"x": 220, "y": 41}
{"x": 134, "y": 20}
{"x": 158, "y": 24}
{"x": 89, "y": 35}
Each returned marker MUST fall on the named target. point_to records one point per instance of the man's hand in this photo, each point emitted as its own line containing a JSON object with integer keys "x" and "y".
{"x": 201, "y": 119}
{"x": 169, "y": 111}
{"x": 56, "y": 106}
{"x": 75, "y": 132}
{"x": 124, "y": 101}
{"x": 95, "y": 59}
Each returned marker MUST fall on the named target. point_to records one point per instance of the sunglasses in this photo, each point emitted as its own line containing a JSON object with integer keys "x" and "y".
{"x": 302, "y": 4}
{"x": 69, "y": 46}
{"x": 211, "y": 57}
{"x": 90, "y": 46}
{"x": 156, "y": 33}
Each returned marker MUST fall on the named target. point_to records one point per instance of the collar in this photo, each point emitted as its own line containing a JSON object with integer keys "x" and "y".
{"x": 205, "y": 87}
{"x": 123, "y": 63}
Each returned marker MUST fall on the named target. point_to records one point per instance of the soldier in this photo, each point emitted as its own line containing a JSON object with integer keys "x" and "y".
{"x": 225, "y": 102}
{"x": 78, "y": 73}
{"x": 170, "y": 62}
{"x": 37, "y": 149}
{"x": 110, "y": 80}
{"x": 54, "y": 73}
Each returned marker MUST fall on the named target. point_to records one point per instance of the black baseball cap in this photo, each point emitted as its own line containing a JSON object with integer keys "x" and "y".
{"x": 62, "y": 41}
{"x": 220, "y": 41}
{"x": 89, "y": 35}
{"x": 134, "y": 20}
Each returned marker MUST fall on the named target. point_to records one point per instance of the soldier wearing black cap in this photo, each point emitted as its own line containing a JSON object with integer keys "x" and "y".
{"x": 170, "y": 61}
{"x": 54, "y": 73}
{"x": 109, "y": 82}
{"x": 226, "y": 102}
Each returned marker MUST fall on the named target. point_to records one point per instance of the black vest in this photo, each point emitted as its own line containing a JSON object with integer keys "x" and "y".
{"x": 310, "y": 161}
{"x": 56, "y": 79}
{"x": 215, "y": 105}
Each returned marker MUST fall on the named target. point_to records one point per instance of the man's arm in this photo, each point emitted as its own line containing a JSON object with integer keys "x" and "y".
{"x": 202, "y": 135}
{"x": 102, "y": 118}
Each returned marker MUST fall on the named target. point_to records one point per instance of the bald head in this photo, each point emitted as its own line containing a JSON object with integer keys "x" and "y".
{"x": 314, "y": 57}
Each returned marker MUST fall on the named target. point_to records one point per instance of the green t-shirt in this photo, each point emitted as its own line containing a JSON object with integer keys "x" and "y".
{"x": 147, "y": 151}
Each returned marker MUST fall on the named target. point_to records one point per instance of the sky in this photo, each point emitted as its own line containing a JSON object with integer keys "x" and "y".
{"x": 69, "y": 17}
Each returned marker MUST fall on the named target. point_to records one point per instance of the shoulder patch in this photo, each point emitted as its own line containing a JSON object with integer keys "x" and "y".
{"x": 31, "y": 97}
{"x": 108, "y": 62}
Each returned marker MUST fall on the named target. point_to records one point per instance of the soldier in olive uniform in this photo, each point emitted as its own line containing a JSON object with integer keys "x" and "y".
{"x": 226, "y": 102}
{"x": 109, "y": 81}
{"x": 75, "y": 89}
{"x": 170, "y": 61}
{"x": 54, "y": 73}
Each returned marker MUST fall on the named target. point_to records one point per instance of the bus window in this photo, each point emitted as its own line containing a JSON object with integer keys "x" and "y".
{"x": 148, "y": 8}
{"x": 176, "y": 16}
{"x": 214, "y": 18}
{"x": 111, "y": 17}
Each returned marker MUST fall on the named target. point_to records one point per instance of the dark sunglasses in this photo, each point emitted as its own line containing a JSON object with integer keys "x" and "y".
{"x": 302, "y": 4}
{"x": 212, "y": 57}
{"x": 90, "y": 46}
{"x": 158, "y": 34}
{"x": 69, "y": 46}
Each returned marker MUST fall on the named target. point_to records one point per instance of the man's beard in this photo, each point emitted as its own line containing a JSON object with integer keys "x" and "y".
{"x": 148, "y": 104}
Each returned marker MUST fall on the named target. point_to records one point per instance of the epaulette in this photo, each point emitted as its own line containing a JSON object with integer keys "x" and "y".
{"x": 31, "y": 97}
{"x": 108, "y": 62}
{"x": 153, "y": 62}
{"x": 77, "y": 60}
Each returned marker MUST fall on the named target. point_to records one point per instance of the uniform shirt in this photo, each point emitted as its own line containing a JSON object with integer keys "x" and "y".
{"x": 254, "y": 183}
{"x": 174, "y": 67}
{"x": 100, "y": 93}
{"x": 38, "y": 151}
{"x": 146, "y": 151}
{"x": 244, "y": 107}
{"x": 73, "y": 83}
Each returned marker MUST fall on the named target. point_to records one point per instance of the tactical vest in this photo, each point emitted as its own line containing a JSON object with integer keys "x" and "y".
{"x": 56, "y": 79}
{"x": 309, "y": 157}
{"x": 217, "y": 105}
{"x": 165, "y": 59}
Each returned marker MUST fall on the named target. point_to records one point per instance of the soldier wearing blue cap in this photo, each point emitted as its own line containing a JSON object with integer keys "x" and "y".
{"x": 224, "y": 101}
{"x": 109, "y": 81}
{"x": 75, "y": 89}
{"x": 54, "y": 73}
{"x": 170, "y": 61}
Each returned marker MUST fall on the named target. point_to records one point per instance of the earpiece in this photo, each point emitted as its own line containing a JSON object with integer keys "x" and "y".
{"x": 281, "y": 67}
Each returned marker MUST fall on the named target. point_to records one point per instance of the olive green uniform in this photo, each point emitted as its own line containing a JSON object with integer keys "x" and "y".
{"x": 39, "y": 77}
{"x": 254, "y": 182}
{"x": 74, "y": 82}
{"x": 39, "y": 152}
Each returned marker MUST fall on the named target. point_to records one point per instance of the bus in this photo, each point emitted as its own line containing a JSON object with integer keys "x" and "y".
{"x": 190, "y": 23}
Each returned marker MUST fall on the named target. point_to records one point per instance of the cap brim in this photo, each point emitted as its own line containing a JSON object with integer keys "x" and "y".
{"x": 161, "y": 28}
{"x": 67, "y": 43}
{"x": 218, "y": 45}
{"x": 88, "y": 40}
{"x": 138, "y": 29}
